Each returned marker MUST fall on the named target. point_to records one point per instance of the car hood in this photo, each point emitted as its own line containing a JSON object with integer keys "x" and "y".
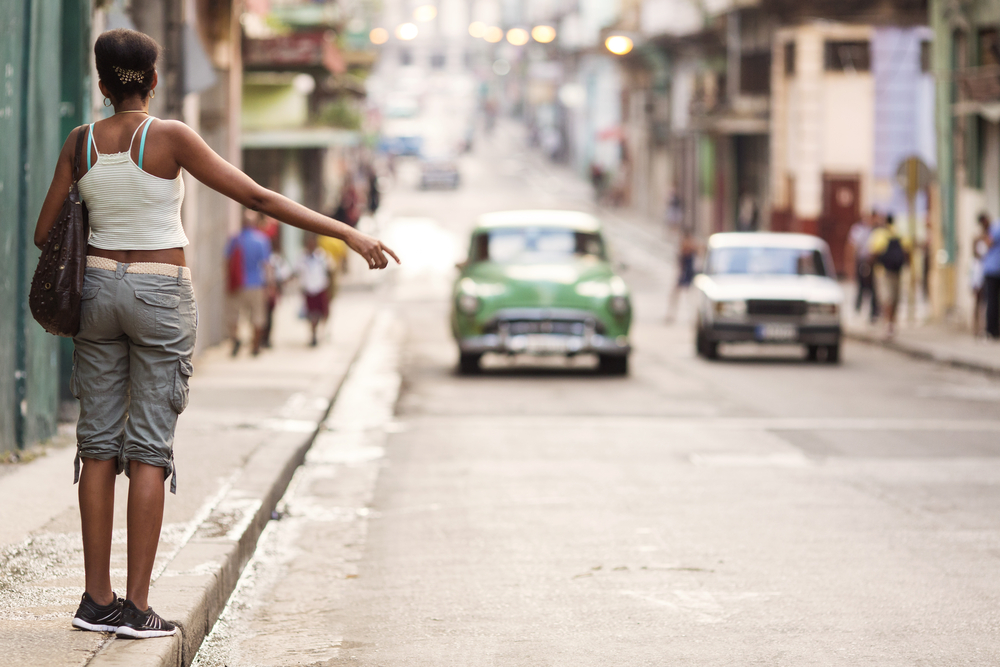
{"x": 546, "y": 285}
{"x": 742, "y": 287}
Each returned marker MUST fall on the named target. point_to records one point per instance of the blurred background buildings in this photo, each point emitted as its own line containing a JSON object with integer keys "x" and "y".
{"x": 709, "y": 115}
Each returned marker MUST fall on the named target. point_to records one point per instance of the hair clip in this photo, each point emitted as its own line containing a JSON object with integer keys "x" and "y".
{"x": 128, "y": 75}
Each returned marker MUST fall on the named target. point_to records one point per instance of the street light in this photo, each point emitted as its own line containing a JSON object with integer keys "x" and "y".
{"x": 493, "y": 34}
{"x": 406, "y": 31}
{"x": 618, "y": 44}
{"x": 517, "y": 36}
{"x": 477, "y": 29}
{"x": 425, "y": 13}
{"x": 543, "y": 33}
{"x": 378, "y": 36}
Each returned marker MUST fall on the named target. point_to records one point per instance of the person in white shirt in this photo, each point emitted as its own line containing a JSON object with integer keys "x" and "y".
{"x": 863, "y": 263}
{"x": 314, "y": 271}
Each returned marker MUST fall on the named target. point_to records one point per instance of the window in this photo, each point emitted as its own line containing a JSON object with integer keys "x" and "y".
{"x": 761, "y": 261}
{"x": 755, "y": 73}
{"x": 989, "y": 47}
{"x": 534, "y": 244}
{"x": 790, "y": 59}
{"x": 405, "y": 57}
{"x": 437, "y": 60}
{"x": 847, "y": 56}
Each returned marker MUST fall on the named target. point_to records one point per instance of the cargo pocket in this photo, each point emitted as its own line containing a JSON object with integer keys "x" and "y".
{"x": 162, "y": 314}
{"x": 88, "y": 305}
{"x": 181, "y": 389}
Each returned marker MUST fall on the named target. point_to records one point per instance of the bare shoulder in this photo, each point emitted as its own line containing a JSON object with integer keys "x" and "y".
{"x": 175, "y": 129}
{"x": 69, "y": 146}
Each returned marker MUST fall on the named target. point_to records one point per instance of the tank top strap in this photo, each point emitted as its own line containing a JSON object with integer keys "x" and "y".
{"x": 142, "y": 140}
{"x": 91, "y": 142}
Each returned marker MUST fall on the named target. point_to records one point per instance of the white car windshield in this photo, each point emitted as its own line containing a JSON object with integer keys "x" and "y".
{"x": 762, "y": 261}
{"x": 534, "y": 244}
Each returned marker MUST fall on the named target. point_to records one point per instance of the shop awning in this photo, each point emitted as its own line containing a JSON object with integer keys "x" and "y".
{"x": 313, "y": 137}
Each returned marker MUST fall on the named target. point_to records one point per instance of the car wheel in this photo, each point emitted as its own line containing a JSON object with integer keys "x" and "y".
{"x": 468, "y": 363}
{"x": 699, "y": 343}
{"x": 812, "y": 352}
{"x": 833, "y": 354}
{"x": 711, "y": 349}
{"x": 613, "y": 364}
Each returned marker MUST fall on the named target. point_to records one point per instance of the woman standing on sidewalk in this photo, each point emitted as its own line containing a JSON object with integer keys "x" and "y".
{"x": 138, "y": 317}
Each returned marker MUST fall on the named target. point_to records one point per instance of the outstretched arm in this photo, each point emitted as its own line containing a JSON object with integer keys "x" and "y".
{"x": 193, "y": 154}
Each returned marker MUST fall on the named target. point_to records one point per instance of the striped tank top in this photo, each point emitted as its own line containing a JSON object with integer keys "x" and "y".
{"x": 131, "y": 209}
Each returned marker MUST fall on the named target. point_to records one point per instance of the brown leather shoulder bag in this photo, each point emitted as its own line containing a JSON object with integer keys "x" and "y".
{"x": 57, "y": 285}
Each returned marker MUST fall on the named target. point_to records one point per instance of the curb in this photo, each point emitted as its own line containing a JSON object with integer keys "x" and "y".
{"x": 918, "y": 352}
{"x": 195, "y": 585}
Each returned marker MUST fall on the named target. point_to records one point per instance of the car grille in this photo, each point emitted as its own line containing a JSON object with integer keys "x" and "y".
{"x": 550, "y": 326}
{"x": 775, "y": 307}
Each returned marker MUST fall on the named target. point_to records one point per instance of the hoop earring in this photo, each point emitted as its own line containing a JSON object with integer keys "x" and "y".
{"x": 152, "y": 93}
{"x": 107, "y": 102}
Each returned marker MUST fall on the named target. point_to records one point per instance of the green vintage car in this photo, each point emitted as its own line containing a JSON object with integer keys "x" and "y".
{"x": 539, "y": 282}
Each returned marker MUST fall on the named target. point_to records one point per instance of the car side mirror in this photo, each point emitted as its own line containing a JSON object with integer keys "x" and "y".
{"x": 621, "y": 266}
{"x": 461, "y": 265}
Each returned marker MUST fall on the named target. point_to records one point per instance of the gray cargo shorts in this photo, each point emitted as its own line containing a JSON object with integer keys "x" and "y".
{"x": 131, "y": 366}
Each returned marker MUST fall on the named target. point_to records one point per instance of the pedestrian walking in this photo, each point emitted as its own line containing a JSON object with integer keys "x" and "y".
{"x": 278, "y": 273}
{"x": 315, "y": 272}
{"x": 892, "y": 255}
{"x": 977, "y": 279}
{"x": 248, "y": 254}
{"x": 747, "y": 218}
{"x": 991, "y": 281}
{"x": 348, "y": 209}
{"x": 864, "y": 266}
{"x": 138, "y": 315}
{"x": 374, "y": 195}
{"x": 687, "y": 253}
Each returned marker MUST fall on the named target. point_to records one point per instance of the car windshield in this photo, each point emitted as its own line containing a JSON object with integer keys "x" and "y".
{"x": 761, "y": 261}
{"x": 517, "y": 245}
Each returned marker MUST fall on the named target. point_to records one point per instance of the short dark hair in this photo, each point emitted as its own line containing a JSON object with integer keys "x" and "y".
{"x": 126, "y": 62}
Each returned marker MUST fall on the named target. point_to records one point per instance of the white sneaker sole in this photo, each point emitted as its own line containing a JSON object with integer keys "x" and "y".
{"x": 84, "y": 625}
{"x": 132, "y": 633}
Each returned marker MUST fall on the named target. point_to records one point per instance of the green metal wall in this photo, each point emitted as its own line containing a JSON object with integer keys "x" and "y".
{"x": 42, "y": 43}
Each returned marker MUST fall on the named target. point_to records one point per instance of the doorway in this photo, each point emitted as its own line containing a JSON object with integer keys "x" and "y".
{"x": 841, "y": 209}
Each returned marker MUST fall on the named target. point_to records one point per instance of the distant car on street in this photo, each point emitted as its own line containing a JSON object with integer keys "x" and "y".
{"x": 540, "y": 283}
{"x": 772, "y": 288}
{"x": 439, "y": 171}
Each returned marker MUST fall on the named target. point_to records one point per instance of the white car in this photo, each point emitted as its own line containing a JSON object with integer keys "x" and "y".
{"x": 773, "y": 288}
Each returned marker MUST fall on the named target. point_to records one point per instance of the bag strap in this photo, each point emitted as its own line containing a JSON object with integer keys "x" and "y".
{"x": 79, "y": 149}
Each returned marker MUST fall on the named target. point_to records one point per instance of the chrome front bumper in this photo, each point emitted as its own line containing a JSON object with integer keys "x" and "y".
{"x": 556, "y": 331}
{"x": 545, "y": 344}
{"x": 761, "y": 332}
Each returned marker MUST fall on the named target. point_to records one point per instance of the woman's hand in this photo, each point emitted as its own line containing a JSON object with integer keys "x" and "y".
{"x": 372, "y": 250}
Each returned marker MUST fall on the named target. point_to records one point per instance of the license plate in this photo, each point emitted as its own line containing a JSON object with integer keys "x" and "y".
{"x": 547, "y": 343}
{"x": 777, "y": 332}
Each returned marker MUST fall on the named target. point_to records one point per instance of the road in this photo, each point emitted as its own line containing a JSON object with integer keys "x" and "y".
{"x": 755, "y": 510}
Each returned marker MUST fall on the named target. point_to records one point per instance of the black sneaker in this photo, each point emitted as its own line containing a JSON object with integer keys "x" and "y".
{"x": 96, "y": 617}
{"x": 137, "y": 624}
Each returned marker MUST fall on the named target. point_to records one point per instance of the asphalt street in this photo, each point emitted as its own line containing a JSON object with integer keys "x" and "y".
{"x": 756, "y": 510}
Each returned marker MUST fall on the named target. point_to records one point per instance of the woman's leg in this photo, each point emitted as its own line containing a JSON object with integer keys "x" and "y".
{"x": 145, "y": 516}
{"x": 97, "y": 512}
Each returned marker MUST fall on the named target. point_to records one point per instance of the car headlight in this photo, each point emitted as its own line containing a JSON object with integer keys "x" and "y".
{"x": 824, "y": 309}
{"x": 618, "y": 305}
{"x": 468, "y": 304}
{"x": 731, "y": 308}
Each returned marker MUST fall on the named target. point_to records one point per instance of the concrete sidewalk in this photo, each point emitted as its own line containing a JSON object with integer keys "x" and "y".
{"x": 248, "y": 426}
{"x": 932, "y": 342}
